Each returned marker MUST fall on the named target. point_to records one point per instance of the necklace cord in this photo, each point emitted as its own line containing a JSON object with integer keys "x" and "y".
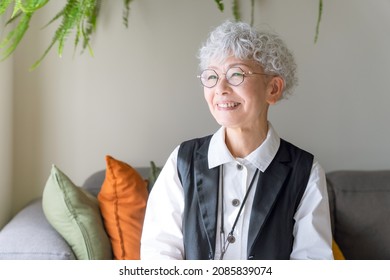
{"x": 226, "y": 242}
{"x": 222, "y": 230}
{"x": 243, "y": 202}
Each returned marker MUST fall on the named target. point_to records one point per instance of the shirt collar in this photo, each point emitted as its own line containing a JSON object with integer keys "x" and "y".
{"x": 261, "y": 157}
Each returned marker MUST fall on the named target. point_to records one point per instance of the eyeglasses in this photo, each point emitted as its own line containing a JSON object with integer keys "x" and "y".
{"x": 234, "y": 76}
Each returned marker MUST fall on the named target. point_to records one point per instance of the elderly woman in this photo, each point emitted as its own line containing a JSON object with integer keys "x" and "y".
{"x": 243, "y": 192}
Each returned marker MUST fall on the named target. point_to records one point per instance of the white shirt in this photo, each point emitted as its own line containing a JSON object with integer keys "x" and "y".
{"x": 162, "y": 236}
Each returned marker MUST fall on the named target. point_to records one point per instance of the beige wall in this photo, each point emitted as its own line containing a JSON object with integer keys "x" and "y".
{"x": 139, "y": 97}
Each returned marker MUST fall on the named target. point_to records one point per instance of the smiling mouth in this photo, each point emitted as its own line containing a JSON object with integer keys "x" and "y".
{"x": 228, "y": 105}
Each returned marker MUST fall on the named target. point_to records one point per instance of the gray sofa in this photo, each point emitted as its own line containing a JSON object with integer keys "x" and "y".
{"x": 360, "y": 212}
{"x": 29, "y": 236}
{"x": 359, "y": 203}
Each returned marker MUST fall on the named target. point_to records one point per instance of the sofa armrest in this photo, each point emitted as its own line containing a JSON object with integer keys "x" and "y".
{"x": 29, "y": 236}
{"x": 359, "y": 203}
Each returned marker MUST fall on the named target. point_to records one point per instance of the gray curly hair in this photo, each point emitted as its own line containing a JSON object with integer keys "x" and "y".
{"x": 244, "y": 42}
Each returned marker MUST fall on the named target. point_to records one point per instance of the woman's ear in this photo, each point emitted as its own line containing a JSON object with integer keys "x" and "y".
{"x": 275, "y": 90}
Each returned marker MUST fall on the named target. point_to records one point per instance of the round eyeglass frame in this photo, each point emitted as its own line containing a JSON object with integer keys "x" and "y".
{"x": 229, "y": 79}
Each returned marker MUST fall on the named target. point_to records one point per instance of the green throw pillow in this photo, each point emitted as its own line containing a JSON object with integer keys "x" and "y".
{"x": 75, "y": 214}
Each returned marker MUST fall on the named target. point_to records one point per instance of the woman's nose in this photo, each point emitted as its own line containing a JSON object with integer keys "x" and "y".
{"x": 222, "y": 85}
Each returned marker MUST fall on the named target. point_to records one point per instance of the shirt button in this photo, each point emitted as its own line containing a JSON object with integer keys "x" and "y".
{"x": 231, "y": 238}
{"x": 235, "y": 202}
{"x": 239, "y": 166}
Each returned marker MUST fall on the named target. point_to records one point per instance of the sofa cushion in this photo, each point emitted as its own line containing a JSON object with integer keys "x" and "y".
{"x": 122, "y": 201}
{"x": 29, "y": 236}
{"x": 75, "y": 214}
{"x": 359, "y": 204}
{"x": 95, "y": 181}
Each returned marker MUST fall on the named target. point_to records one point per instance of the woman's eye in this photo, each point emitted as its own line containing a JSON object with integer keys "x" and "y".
{"x": 212, "y": 77}
{"x": 237, "y": 74}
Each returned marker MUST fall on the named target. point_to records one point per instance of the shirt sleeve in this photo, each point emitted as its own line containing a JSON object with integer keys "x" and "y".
{"x": 162, "y": 236}
{"x": 312, "y": 229}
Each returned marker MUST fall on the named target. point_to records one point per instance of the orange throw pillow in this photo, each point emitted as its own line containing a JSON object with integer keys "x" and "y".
{"x": 122, "y": 201}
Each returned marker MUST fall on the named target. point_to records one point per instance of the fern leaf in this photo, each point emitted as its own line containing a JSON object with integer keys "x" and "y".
{"x": 96, "y": 12}
{"x": 220, "y": 5}
{"x": 79, "y": 16}
{"x": 23, "y": 10}
{"x": 89, "y": 24}
{"x": 252, "y": 12}
{"x": 318, "y": 21}
{"x": 39, "y": 61}
{"x": 32, "y": 5}
{"x": 69, "y": 15}
{"x": 16, "y": 8}
{"x": 236, "y": 10}
{"x": 57, "y": 16}
{"x": 15, "y": 36}
{"x": 70, "y": 20}
{"x": 4, "y": 4}
{"x": 15, "y": 17}
{"x": 126, "y": 12}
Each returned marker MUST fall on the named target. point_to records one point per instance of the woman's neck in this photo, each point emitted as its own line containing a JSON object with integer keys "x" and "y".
{"x": 241, "y": 142}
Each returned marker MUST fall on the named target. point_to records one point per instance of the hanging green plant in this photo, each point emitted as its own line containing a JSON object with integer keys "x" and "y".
{"x": 237, "y": 15}
{"x": 80, "y": 18}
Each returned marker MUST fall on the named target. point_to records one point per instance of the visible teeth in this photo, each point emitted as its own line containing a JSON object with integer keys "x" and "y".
{"x": 228, "y": 105}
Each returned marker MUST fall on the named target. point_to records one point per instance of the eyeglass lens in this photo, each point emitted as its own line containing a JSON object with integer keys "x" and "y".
{"x": 234, "y": 76}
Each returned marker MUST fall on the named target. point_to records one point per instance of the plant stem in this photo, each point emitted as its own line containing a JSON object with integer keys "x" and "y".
{"x": 318, "y": 21}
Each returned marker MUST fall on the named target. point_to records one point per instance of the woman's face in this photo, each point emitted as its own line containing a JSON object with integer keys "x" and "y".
{"x": 245, "y": 105}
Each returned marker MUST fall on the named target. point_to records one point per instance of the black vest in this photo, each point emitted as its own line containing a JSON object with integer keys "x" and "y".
{"x": 278, "y": 194}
